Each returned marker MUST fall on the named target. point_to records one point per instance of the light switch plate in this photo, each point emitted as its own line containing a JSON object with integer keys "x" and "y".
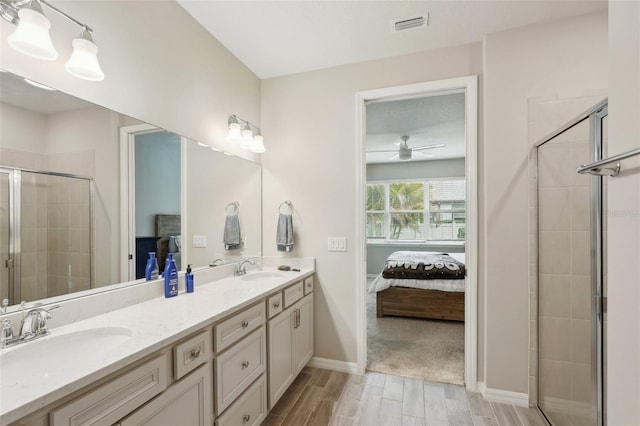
{"x": 337, "y": 244}
{"x": 199, "y": 241}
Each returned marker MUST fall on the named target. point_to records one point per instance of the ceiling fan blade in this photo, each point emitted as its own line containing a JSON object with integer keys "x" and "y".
{"x": 384, "y": 150}
{"x": 418, "y": 148}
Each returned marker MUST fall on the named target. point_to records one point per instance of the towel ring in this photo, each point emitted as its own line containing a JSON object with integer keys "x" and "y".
{"x": 287, "y": 203}
{"x": 236, "y": 208}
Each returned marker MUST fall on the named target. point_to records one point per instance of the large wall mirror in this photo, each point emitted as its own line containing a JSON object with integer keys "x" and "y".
{"x": 86, "y": 193}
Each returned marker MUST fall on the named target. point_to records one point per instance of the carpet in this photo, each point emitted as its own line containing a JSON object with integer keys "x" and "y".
{"x": 426, "y": 349}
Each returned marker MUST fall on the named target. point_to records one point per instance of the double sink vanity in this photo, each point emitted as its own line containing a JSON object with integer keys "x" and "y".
{"x": 222, "y": 355}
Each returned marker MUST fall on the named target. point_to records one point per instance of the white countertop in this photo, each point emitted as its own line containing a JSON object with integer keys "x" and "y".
{"x": 154, "y": 324}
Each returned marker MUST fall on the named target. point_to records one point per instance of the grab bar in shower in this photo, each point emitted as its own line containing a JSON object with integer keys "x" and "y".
{"x": 596, "y": 168}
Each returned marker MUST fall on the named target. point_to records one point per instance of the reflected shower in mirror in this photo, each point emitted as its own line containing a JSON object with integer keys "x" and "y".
{"x": 135, "y": 195}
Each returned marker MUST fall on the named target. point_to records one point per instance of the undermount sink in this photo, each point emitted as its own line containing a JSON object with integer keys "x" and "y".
{"x": 262, "y": 276}
{"x": 58, "y": 349}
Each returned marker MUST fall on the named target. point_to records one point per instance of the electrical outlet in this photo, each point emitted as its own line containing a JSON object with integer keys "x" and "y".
{"x": 199, "y": 241}
{"x": 337, "y": 244}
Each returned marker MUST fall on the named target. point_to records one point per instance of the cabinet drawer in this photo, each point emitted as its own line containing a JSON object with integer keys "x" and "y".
{"x": 185, "y": 403}
{"x": 239, "y": 325}
{"x": 250, "y": 409}
{"x": 292, "y": 294}
{"x": 114, "y": 400}
{"x": 274, "y": 305}
{"x": 308, "y": 285}
{"x": 238, "y": 367}
{"x": 190, "y": 354}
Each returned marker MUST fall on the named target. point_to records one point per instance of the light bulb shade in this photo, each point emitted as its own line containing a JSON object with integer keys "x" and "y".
{"x": 83, "y": 62}
{"x": 235, "y": 133}
{"x": 257, "y": 145}
{"x": 247, "y": 137}
{"x": 31, "y": 37}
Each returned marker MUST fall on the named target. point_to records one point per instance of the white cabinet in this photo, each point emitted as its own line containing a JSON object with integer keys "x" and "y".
{"x": 186, "y": 403}
{"x": 115, "y": 399}
{"x": 303, "y": 333}
{"x": 290, "y": 337}
{"x": 248, "y": 410}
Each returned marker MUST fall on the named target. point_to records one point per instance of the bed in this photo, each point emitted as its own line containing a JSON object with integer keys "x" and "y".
{"x": 421, "y": 285}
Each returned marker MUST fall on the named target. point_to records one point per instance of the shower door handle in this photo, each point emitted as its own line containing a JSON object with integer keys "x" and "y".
{"x": 8, "y": 263}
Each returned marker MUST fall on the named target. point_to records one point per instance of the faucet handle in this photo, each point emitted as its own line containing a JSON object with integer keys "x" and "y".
{"x": 5, "y": 305}
{"x": 6, "y": 333}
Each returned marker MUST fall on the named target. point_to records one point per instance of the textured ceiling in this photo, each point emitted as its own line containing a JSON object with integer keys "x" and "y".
{"x": 274, "y": 38}
{"x": 427, "y": 121}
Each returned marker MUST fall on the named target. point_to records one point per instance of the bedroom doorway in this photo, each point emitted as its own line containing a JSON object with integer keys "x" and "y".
{"x": 417, "y": 193}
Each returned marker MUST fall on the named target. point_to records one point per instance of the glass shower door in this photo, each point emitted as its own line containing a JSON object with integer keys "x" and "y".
{"x": 568, "y": 236}
{"x": 5, "y": 222}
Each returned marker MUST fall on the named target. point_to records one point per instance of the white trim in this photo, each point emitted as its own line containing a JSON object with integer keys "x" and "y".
{"x": 332, "y": 364}
{"x": 127, "y": 203}
{"x": 469, "y": 85}
{"x": 505, "y": 397}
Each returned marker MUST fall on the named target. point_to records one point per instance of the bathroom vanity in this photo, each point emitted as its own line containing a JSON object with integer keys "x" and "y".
{"x": 222, "y": 355}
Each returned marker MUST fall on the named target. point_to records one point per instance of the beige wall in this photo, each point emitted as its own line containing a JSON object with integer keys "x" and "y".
{"x": 310, "y": 119}
{"x": 561, "y": 58}
{"x": 623, "y": 242}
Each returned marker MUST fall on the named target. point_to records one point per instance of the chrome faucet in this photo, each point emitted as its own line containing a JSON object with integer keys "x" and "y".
{"x": 34, "y": 325}
{"x": 218, "y": 262}
{"x": 242, "y": 265}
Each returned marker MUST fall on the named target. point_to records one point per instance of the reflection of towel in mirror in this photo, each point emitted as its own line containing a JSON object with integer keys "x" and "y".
{"x": 232, "y": 232}
{"x": 284, "y": 233}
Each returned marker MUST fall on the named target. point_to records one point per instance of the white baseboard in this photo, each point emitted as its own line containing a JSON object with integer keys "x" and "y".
{"x": 332, "y": 364}
{"x": 504, "y": 397}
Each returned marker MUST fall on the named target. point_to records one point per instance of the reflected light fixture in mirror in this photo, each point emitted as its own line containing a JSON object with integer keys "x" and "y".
{"x": 243, "y": 132}
{"x": 32, "y": 38}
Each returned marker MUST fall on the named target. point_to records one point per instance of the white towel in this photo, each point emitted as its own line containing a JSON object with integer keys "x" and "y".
{"x": 232, "y": 240}
{"x": 284, "y": 233}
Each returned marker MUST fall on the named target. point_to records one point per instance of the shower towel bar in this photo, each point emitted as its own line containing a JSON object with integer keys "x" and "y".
{"x": 596, "y": 168}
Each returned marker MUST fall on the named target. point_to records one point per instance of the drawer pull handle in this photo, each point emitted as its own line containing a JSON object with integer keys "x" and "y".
{"x": 245, "y": 324}
{"x": 276, "y": 305}
{"x": 245, "y": 364}
{"x": 195, "y": 353}
{"x": 246, "y": 418}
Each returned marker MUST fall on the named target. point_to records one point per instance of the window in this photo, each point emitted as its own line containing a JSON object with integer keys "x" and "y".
{"x": 416, "y": 211}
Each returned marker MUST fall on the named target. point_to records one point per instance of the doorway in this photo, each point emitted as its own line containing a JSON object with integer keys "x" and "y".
{"x": 468, "y": 87}
{"x": 152, "y": 197}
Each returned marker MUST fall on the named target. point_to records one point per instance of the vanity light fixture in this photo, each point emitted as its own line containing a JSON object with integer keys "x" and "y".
{"x": 247, "y": 136}
{"x": 32, "y": 38}
{"x": 38, "y": 85}
{"x": 243, "y": 132}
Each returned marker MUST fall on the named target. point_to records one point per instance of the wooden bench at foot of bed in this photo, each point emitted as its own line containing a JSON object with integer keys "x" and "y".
{"x": 419, "y": 303}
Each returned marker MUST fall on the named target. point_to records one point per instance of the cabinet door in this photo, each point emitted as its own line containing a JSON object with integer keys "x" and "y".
{"x": 186, "y": 403}
{"x": 280, "y": 355}
{"x": 303, "y": 333}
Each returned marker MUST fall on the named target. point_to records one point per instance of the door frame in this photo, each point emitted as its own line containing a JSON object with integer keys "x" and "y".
{"x": 128, "y": 196}
{"x": 468, "y": 84}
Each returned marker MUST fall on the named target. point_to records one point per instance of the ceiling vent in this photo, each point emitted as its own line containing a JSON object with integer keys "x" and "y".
{"x": 411, "y": 23}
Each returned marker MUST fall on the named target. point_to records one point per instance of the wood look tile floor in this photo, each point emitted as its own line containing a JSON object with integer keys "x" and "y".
{"x": 324, "y": 397}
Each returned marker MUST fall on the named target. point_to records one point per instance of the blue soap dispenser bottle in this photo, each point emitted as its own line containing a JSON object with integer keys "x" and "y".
{"x": 170, "y": 277}
{"x": 188, "y": 278}
{"x": 151, "y": 271}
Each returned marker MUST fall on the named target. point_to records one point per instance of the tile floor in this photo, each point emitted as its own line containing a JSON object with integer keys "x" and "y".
{"x": 325, "y": 397}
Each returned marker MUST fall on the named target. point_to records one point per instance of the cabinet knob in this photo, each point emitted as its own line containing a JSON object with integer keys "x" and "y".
{"x": 245, "y": 324}
{"x": 245, "y": 364}
{"x": 276, "y": 305}
{"x": 195, "y": 353}
{"x": 246, "y": 418}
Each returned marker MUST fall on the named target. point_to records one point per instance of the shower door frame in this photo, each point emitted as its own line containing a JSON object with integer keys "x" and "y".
{"x": 15, "y": 226}
{"x": 12, "y": 263}
{"x": 595, "y": 115}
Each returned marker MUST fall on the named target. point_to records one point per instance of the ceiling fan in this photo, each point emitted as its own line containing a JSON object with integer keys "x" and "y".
{"x": 404, "y": 152}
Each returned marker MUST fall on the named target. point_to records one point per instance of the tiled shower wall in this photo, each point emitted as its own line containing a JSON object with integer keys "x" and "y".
{"x": 561, "y": 221}
{"x": 56, "y": 236}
